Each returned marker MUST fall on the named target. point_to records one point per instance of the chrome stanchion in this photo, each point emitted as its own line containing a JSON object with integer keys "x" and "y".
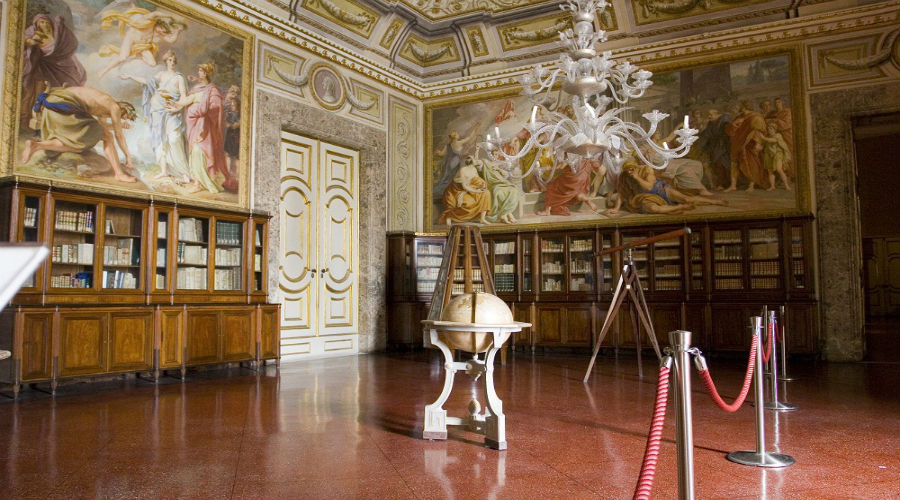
{"x": 783, "y": 342}
{"x": 767, "y": 370}
{"x": 684, "y": 441}
{"x": 774, "y": 404}
{"x": 760, "y": 457}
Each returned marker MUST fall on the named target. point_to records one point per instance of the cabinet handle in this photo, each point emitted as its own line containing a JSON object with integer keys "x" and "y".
{"x": 324, "y": 270}
{"x": 314, "y": 270}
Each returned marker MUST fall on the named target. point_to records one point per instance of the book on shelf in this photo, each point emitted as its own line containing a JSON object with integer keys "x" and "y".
{"x": 227, "y": 279}
{"x": 119, "y": 279}
{"x": 73, "y": 253}
{"x": 228, "y": 257}
{"x": 191, "y": 278}
{"x": 162, "y": 229}
{"x": 160, "y": 257}
{"x": 257, "y": 238}
{"x": 190, "y": 254}
{"x": 71, "y": 280}
{"x": 257, "y": 263}
{"x": 228, "y": 233}
{"x": 160, "y": 281}
{"x": 191, "y": 229}
{"x": 120, "y": 254}
{"x": 68, "y": 220}
{"x": 30, "y": 217}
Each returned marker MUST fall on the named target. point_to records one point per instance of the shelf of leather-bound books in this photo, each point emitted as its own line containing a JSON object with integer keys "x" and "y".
{"x": 696, "y": 259}
{"x": 640, "y": 255}
{"x": 428, "y": 253}
{"x": 552, "y": 265}
{"x": 667, "y": 265}
{"x": 581, "y": 260}
{"x": 765, "y": 258}
{"x": 122, "y": 247}
{"x": 728, "y": 259}
{"x": 505, "y": 263}
{"x": 192, "y": 253}
{"x": 73, "y": 245}
{"x": 228, "y": 268}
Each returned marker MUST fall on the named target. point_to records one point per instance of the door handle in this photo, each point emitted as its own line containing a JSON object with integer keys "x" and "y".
{"x": 324, "y": 270}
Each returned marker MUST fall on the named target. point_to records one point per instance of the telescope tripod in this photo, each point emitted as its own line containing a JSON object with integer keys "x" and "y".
{"x": 629, "y": 285}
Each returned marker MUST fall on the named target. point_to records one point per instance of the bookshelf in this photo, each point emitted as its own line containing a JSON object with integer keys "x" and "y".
{"x": 133, "y": 285}
{"x": 708, "y": 281}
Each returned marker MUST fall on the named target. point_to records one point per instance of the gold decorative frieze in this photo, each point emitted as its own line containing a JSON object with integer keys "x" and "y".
{"x": 854, "y": 59}
{"x": 429, "y": 53}
{"x": 476, "y": 40}
{"x": 655, "y": 11}
{"x": 391, "y": 34}
{"x": 347, "y": 13}
{"x": 366, "y": 102}
{"x": 279, "y": 69}
{"x": 540, "y": 31}
{"x": 438, "y": 10}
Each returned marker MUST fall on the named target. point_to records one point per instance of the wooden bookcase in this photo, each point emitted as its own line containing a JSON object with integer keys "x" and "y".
{"x": 709, "y": 281}
{"x": 133, "y": 285}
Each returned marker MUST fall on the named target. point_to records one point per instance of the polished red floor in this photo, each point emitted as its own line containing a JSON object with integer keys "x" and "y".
{"x": 347, "y": 428}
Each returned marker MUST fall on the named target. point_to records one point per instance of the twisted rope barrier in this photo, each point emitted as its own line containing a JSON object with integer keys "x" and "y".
{"x": 651, "y": 452}
{"x": 700, "y": 363}
{"x": 770, "y": 341}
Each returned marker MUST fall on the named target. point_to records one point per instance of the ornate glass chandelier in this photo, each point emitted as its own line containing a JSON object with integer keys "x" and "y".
{"x": 592, "y": 128}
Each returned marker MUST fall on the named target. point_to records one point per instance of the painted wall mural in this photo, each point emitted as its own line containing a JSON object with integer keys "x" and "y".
{"x": 748, "y": 161}
{"x": 130, "y": 94}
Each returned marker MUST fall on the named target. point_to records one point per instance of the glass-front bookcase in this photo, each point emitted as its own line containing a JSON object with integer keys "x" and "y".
{"x": 553, "y": 263}
{"x": 32, "y": 213}
{"x": 122, "y": 247}
{"x": 727, "y": 259}
{"x": 505, "y": 265}
{"x": 192, "y": 253}
{"x": 581, "y": 263}
{"x": 73, "y": 245}
{"x": 428, "y": 254}
{"x": 163, "y": 250}
{"x": 229, "y": 268}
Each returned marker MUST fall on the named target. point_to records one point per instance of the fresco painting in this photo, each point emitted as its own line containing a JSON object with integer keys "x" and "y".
{"x": 133, "y": 95}
{"x": 746, "y": 161}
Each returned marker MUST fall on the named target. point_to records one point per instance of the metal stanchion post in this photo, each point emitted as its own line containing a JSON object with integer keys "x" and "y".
{"x": 783, "y": 341}
{"x": 684, "y": 441}
{"x": 773, "y": 374}
{"x": 760, "y": 457}
{"x": 765, "y": 337}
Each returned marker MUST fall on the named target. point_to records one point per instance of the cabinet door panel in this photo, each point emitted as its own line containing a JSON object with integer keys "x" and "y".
{"x": 578, "y": 325}
{"x": 202, "y": 337}
{"x": 268, "y": 332}
{"x": 730, "y": 327}
{"x": 36, "y": 346}
{"x": 549, "y": 322}
{"x": 82, "y": 343}
{"x": 171, "y": 350}
{"x": 238, "y": 340}
{"x": 802, "y": 329}
{"x": 130, "y": 341}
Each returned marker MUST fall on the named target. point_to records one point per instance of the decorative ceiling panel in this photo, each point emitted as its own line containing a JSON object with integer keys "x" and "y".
{"x": 531, "y": 32}
{"x": 429, "y": 53}
{"x": 346, "y": 13}
{"x": 655, "y": 11}
{"x": 476, "y": 41}
{"x": 438, "y": 10}
{"x": 391, "y": 34}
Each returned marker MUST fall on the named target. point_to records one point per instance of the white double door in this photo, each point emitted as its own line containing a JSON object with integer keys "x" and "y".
{"x": 319, "y": 272}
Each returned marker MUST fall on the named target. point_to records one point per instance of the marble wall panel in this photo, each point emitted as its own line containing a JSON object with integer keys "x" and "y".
{"x": 838, "y": 232}
{"x": 276, "y": 113}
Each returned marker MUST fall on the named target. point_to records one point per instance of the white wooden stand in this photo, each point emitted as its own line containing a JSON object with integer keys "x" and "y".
{"x": 491, "y": 423}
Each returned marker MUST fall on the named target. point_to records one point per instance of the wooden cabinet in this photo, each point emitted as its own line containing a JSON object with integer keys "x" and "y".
{"x": 134, "y": 285}
{"x": 708, "y": 281}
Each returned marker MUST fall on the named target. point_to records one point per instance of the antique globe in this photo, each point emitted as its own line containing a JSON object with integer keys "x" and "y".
{"x": 477, "y": 308}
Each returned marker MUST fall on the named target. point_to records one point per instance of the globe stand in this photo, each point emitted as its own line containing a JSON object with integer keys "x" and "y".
{"x": 492, "y": 422}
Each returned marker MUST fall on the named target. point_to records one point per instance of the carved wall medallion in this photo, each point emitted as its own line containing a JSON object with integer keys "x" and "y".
{"x": 327, "y": 86}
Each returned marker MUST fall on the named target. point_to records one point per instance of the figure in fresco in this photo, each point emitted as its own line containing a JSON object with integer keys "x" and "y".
{"x": 467, "y": 197}
{"x": 716, "y": 145}
{"x": 642, "y": 192}
{"x": 142, "y": 31}
{"x": 233, "y": 127}
{"x": 571, "y": 187}
{"x": 745, "y": 132}
{"x": 205, "y": 114}
{"x": 782, "y": 118}
{"x": 452, "y": 153}
{"x": 775, "y": 155}
{"x": 502, "y": 184}
{"x": 49, "y": 59}
{"x": 543, "y": 172}
{"x": 75, "y": 119}
{"x": 166, "y": 125}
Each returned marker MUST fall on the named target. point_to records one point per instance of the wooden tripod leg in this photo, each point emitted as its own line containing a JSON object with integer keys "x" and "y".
{"x": 618, "y": 295}
{"x": 636, "y": 328}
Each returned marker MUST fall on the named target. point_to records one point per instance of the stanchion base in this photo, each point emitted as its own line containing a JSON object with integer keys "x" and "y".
{"x": 779, "y": 406}
{"x": 765, "y": 459}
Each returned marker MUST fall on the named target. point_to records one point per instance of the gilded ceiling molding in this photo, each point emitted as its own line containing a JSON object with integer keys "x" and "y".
{"x": 254, "y": 17}
{"x": 427, "y": 56}
{"x": 436, "y": 10}
{"x": 361, "y": 22}
{"x": 531, "y": 32}
{"x": 477, "y": 42}
{"x": 366, "y": 102}
{"x": 391, "y": 34}
{"x": 536, "y": 35}
{"x": 888, "y": 48}
{"x": 429, "y": 53}
{"x": 655, "y": 11}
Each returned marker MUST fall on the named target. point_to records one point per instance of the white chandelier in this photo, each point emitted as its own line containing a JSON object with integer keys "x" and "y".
{"x": 592, "y": 130}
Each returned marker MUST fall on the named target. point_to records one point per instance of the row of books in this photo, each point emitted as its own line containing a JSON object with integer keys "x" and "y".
{"x": 668, "y": 284}
{"x": 430, "y": 250}
{"x": 766, "y": 268}
{"x": 460, "y": 288}
{"x": 228, "y": 256}
{"x": 768, "y": 250}
{"x": 68, "y": 220}
{"x": 504, "y": 268}
{"x": 228, "y": 233}
{"x": 581, "y": 246}
{"x": 191, "y": 278}
{"x": 548, "y": 246}
{"x": 505, "y": 282}
{"x": 505, "y": 248}
{"x": 429, "y": 261}
{"x": 74, "y": 253}
{"x": 71, "y": 280}
{"x": 733, "y": 252}
{"x": 191, "y": 254}
{"x": 121, "y": 254}
{"x": 460, "y": 274}
{"x": 581, "y": 266}
{"x": 227, "y": 279}
{"x": 30, "y": 217}
{"x": 192, "y": 229}
{"x": 119, "y": 279}
{"x": 581, "y": 285}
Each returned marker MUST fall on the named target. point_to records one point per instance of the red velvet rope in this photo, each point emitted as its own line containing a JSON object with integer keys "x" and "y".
{"x": 651, "y": 453}
{"x": 714, "y": 394}
{"x": 770, "y": 339}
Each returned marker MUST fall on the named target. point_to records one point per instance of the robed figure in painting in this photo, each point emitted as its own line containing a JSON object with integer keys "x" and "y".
{"x": 49, "y": 59}
{"x": 467, "y": 197}
{"x": 746, "y": 145}
{"x": 571, "y": 187}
